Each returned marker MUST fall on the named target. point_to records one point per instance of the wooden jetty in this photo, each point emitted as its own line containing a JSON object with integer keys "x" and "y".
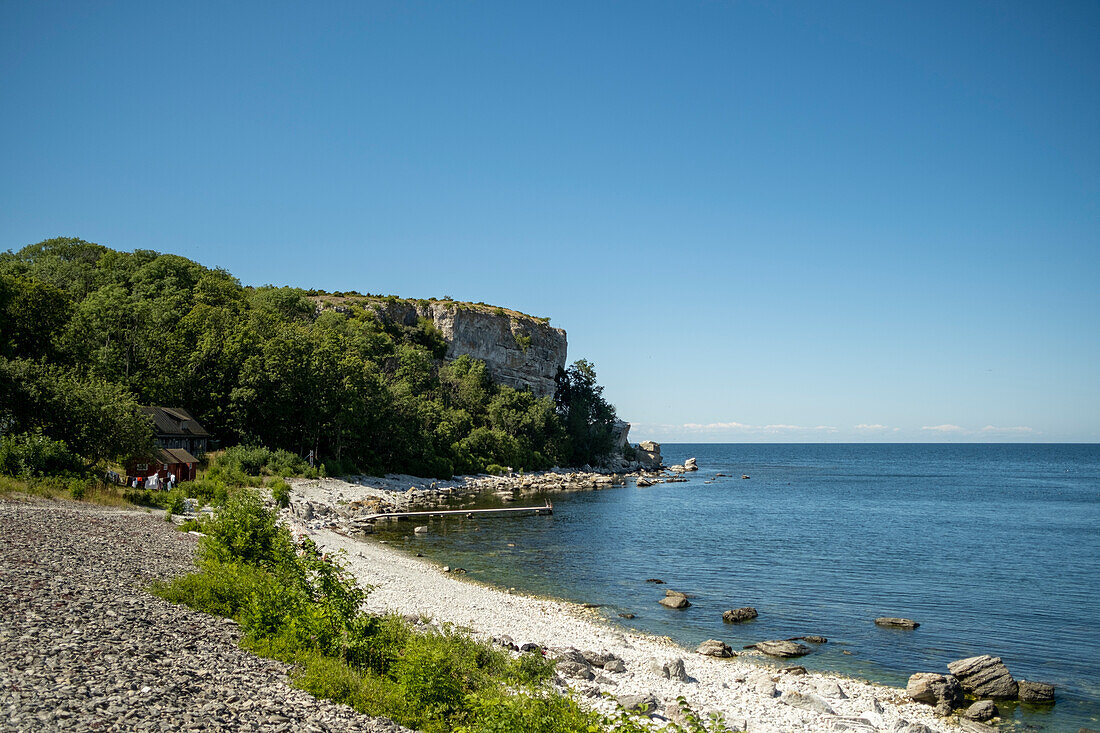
{"x": 547, "y": 508}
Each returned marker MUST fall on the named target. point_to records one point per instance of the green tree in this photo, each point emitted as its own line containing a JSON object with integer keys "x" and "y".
{"x": 589, "y": 419}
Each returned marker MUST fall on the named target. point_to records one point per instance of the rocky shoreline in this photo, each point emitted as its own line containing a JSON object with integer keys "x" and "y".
{"x": 332, "y": 510}
{"x": 605, "y": 665}
{"x": 87, "y": 648}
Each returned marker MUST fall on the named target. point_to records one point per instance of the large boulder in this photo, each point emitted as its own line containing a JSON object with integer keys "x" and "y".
{"x": 690, "y": 465}
{"x": 737, "y": 615}
{"x": 715, "y": 648}
{"x": 985, "y": 676}
{"x": 940, "y": 690}
{"x": 1035, "y": 691}
{"x": 782, "y": 648}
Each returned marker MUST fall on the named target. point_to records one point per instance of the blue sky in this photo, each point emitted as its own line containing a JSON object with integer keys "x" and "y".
{"x": 761, "y": 221}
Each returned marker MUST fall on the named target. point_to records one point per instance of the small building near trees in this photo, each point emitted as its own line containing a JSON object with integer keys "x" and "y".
{"x": 179, "y": 441}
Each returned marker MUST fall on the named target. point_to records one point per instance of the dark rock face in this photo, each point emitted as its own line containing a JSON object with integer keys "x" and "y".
{"x": 896, "y": 623}
{"x": 941, "y": 690}
{"x": 985, "y": 676}
{"x": 737, "y": 615}
{"x": 1035, "y": 691}
{"x": 782, "y": 648}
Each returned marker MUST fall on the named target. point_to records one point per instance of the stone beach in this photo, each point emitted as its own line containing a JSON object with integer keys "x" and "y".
{"x": 86, "y": 647}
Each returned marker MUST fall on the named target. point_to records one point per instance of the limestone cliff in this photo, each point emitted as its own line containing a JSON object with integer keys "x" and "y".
{"x": 518, "y": 350}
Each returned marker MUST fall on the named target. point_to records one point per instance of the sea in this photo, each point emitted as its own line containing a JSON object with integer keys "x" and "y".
{"x": 992, "y": 548}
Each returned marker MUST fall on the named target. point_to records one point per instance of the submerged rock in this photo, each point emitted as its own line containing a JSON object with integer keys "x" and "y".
{"x": 896, "y": 623}
{"x": 981, "y": 711}
{"x": 781, "y": 648}
{"x": 812, "y": 638}
{"x": 985, "y": 676}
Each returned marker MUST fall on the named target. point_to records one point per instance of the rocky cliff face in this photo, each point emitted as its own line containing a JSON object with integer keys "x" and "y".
{"x": 518, "y": 350}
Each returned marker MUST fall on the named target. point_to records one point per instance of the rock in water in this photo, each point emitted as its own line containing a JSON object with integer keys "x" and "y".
{"x": 782, "y": 648}
{"x": 737, "y": 615}
{"x": 690, "y": 465}
{"x": 985, "y": 676}
{"x": 675, "y": 601}
{"x": 421, "y": 530}
{"x": 940, "y": 690}
{"x": 812, "y": 638}
{"x": 715, "y": 648}
{"x": 896, "y": 623}
{"x": 1035, "y": 691}
{"x": 981, "y": 711}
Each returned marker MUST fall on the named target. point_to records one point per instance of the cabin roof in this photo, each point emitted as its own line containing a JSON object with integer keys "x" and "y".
{"x": 174, "y": 455}
{"x": 174, "y": 422}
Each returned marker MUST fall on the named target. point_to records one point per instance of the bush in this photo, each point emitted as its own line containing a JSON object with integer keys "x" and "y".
{"x": 237, "y": 466}
{"x": 33, "y": 454}
{"x": 280, "y": 492}
{"x": 207, "y": 490}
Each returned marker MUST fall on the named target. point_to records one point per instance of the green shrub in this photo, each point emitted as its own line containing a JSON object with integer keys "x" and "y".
{"x": 207, "y": 490}
{"x": 280, "y": 492}
{"x": 33, "y": 454}
{"x": 222, "y": 589}
{"x": 145, "y": 497}
{"x": 174, "y": 501}
{"x": 531, "y": 712}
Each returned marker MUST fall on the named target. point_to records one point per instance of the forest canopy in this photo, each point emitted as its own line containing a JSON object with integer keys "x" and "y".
{"x": 87, "y": 334}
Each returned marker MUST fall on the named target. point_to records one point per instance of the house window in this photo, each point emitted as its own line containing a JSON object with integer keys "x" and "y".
{"x": 143, "y": 466}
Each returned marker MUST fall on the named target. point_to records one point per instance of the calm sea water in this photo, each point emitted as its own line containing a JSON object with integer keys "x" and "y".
{"x": 995, "y": 549}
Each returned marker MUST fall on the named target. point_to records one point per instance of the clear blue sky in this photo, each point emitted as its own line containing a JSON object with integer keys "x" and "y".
{"x": 761, "y": 221}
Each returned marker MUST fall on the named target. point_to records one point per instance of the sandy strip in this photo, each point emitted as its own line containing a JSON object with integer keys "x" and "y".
{"x": 747, "y": 694}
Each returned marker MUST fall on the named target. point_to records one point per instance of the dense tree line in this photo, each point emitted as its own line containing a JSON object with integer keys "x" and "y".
{"x": 88, "y": 333}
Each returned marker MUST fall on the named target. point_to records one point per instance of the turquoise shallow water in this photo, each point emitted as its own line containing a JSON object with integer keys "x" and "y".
{"x": 995, "y": 549}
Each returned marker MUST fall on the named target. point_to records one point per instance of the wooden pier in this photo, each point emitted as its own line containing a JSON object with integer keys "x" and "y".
{"x": 547, "y": 508}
